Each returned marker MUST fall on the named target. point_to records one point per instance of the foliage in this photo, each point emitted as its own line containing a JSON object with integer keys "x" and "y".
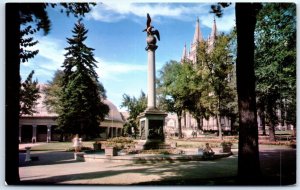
{"x": 36, "y": 13}
{"x": 119, "y": 142}
{"x": 173, "y": 87}
{"x": 52, "y": 92}
{"x": 18, "y": 17}
{"x": 81, "y": 106}
{"x": 135, "y": 106}
{"x": 275, "y": 62}
{"x": 226, "y": 143}
{"x": 29, "y": 94}
{"x": 215, "y": 75}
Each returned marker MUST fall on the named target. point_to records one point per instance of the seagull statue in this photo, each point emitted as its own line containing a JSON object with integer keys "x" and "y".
{"x": 149, "y": 28}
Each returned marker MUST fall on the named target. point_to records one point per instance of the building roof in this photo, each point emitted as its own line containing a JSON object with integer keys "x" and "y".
{"x": 114, "y": 114}
{"x": 41, "y": 109}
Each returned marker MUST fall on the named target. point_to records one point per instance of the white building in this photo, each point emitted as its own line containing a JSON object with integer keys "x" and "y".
{"x": 42, "y": 126}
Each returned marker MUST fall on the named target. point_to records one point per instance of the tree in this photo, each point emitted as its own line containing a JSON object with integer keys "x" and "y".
{"x": 81, "y": 108}
{"x": 275, "y": 63}
{"x": 53, "y": 91}
{"x": 173, "y": 87}
{"x": 135, "y": 106}
{"x": 29, "y": 94}
{"x": 196, "y": 100}
{"x": 248, "y": 161}
{"x": 34, "y": 14}
{"x": 248, "y": 156}
{"x": 216, "y": 67}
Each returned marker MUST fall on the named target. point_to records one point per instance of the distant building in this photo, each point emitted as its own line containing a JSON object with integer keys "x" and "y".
{"x": 189, "y": 123}
{"x": 42, "y": 126}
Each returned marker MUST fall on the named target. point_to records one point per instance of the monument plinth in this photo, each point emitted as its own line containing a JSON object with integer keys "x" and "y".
{"x": 152, "y": 120}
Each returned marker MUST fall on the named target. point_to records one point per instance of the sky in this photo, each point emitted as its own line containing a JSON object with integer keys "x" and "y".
{"x": 115, "y": 32}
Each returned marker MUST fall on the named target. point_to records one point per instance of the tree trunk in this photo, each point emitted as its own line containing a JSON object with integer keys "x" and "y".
{"x": 219, "y": 127}
{"x": 248, "y": 155}
{"x": 184, "y": 119}
{"x": 179, "y": 125}
{"x": 261, "y": 112}
{"x": 12, "y": 93}
{"x": 199, "y": 120}
{"x": 272, "y": 119}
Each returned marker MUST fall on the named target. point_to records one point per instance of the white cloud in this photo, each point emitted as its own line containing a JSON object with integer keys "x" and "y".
{"x": 50, "y": 56}
{"x": 113, "y": 12}
{"x": 112, "y": 70}
{"x": 224, "y": 24}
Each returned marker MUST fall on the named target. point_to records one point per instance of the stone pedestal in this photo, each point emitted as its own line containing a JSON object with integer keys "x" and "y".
{"x": 27, "y": 158}
{"x": 151, "y": 129}
{"x": 111, "y": 151}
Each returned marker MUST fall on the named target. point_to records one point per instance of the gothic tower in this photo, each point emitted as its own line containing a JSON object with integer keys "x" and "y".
{"x": 192, "y": 55}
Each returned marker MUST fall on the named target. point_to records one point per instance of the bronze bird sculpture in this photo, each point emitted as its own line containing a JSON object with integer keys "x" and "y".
{"x": 149, "y": 28}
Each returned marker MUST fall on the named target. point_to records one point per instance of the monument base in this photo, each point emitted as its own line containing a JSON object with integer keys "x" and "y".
{"x": 151, "y": 129}
{"x": 151, "y": 144}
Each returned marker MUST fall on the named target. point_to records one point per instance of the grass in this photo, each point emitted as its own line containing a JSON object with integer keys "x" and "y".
{"x": 59, "y": 146}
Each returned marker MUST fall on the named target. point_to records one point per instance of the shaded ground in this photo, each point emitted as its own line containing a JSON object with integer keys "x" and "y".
{"x": 278, "y": 168}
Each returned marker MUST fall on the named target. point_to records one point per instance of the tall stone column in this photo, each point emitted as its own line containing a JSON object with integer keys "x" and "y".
{"x": 151, "y": 120}
{"x": 151, "y": 77}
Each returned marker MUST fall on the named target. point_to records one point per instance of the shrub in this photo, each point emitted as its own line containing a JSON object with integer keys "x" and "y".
{"x": 119, "y": 142}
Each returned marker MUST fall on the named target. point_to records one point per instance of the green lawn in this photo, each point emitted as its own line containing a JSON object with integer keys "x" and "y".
{"x": 59, "y": 146}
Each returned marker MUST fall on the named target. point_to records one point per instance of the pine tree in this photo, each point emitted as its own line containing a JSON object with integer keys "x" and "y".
{"x": 18, "y": 14}
{"x": 82, "y": 108}
{"x": 29, "y": 94}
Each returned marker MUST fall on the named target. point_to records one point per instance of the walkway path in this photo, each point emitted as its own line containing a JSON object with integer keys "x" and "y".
{"x": 61, "y": 168}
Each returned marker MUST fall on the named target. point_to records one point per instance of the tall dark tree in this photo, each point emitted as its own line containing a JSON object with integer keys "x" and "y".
{"x": 81, "y": 106}
{"x": 17, "y": 14}
{"x": 248, "y": 156}
{"x": 29, "y": 94}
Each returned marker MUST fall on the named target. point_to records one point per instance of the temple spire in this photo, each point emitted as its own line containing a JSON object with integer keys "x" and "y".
{"x": 197, "y": 34}
{"x": 213, "y": 36}
{"x": 184, "y": 53}
{"x": 214, "y": 30}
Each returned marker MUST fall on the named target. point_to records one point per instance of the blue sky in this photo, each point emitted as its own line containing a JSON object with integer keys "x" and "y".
{"x": 115, "y": 32}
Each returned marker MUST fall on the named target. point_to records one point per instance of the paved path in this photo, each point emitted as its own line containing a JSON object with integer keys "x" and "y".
{"x": 61, "y": 168}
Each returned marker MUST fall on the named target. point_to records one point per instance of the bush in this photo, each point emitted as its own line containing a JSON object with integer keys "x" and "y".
{"x": 119, "y": 142}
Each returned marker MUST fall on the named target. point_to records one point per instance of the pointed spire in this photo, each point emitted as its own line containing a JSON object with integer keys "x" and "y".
{"x": 197, "y": 34}
{"x": 213, "y": 34}
{"x": 184, "y": 53}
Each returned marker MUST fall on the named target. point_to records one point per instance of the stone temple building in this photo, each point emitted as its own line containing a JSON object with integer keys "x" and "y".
{"x": 42, "y": 126}
{"x": 189, "y": 123}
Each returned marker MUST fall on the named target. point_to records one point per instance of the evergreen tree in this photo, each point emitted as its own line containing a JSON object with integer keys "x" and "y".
{"x": 29, "y": 94}
{"x": 81, "y": 106}
{"x": 17, "y": 14}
